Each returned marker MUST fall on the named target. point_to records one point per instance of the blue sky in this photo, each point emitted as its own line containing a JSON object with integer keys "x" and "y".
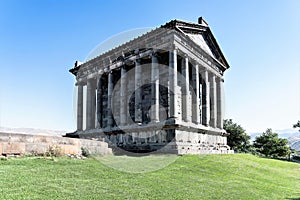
{"x": 40, "y": 41}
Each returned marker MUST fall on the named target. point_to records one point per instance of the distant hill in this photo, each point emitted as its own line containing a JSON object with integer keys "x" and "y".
{"x": 294, "y": 143}
{"x": 32, "y": 131}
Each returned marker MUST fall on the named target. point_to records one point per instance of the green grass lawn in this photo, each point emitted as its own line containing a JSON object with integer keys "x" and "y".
{"x": 187, "y": 177}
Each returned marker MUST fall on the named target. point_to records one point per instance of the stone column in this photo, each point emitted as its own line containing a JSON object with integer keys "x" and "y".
{"x": 79, "y": 107}
{"x": 138, "y": 92}
{"x": 205, "y": 98}
{"x": 123, "y": 99}
{"x": 88, "y": 104}
{"x": 99, "y": 103}
{"x": 154, "y": 89}
{"x": 196, "y": 97}
{"x": 173, "y": 83}
{"x": 94, "y": 90}
{"x": 185, "y": 89}
{"x": 90, "y": 107}
{"x": 213, "y": 98}
{"x": 109, "y": 99}
{"x": 219, "y": 103}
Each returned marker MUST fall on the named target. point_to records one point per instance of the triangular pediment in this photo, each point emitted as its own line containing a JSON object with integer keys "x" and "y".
{"x": 200, "y": 40}
{"x": 201, "y": 35}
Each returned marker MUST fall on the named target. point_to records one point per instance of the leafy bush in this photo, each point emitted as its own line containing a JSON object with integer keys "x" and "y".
{"x": 270, "y": 145}
{"x": 54, "y": 151}
{"x": 85, "y": 152}
{"x": 238, "y": 139}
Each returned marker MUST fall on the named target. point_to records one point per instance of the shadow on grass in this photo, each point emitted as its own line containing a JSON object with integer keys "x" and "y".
{"x": 118, "y": 151}
{"x": 296, "y": 198}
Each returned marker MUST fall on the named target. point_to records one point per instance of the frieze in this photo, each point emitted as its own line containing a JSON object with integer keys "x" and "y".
{"x": 104, "y": 62}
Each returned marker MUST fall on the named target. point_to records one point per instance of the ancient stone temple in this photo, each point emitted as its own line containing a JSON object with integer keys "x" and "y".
{"x": 162, "y": 91}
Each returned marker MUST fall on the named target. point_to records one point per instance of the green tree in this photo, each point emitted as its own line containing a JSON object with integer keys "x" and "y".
{"x": 270, "y": 145}
{"x": 238, "y": 139}
{"x": 297, "y": 125}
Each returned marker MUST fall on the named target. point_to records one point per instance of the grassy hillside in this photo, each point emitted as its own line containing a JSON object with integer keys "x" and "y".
{"x": 189, "y": 177}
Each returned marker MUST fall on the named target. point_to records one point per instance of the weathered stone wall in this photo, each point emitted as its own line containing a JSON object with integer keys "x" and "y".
{"x": 197, "y": 143}
{"x": 167, "y": 141}
{"x": 12, "y": 143}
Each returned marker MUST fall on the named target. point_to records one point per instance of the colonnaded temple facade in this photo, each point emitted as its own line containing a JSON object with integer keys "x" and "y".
{"x": 162, "y": 91}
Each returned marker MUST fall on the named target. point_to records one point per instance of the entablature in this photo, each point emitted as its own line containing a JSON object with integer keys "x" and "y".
{"x": 142, "y": 46}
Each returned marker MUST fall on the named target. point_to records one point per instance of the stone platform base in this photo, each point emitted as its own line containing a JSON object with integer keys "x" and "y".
{"x": 164, "y": 141}
{"x": 20, "y": 144}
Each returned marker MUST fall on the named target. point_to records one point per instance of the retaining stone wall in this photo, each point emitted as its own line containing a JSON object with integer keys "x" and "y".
{"x": 20, "y": 144}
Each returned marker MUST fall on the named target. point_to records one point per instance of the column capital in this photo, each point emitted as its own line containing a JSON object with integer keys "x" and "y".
{"x": 91, "y": 76}
{"x": 220, "y": 79}
{"x": 100, "y": 72}
{"x": 121, "y": 58}
{"x": 154, "y": 53}
{"x": 122, "y": 54}
{"x": 173, "y": 47}
{"x": 106, "y": 69}
{"x": 185, "y": 56}
{"x": 212, "y": 75}
{"x": 193, "y": 62}
{"x": 123, "y": 67}
{"x": 137, "y": 51}
{"x": 79, "y": 83}
{"x": 109, "y": 60}
{"x": 92, "y": 80}
{"x": 203, "y": 70}
{"x": 138, "y": 60}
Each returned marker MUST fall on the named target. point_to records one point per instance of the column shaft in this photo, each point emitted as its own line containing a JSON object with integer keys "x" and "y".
{"x": 219, "y": 103}
{"x": 93, "y": 111}
{"x": 213, "y": 98}
{"x": 138, "y": 92}
{"x": 185, "y": 90}
{"x": 123, "y": 99}
{"x": 99, "y": 103}
{"x": 109, "y": 100}
{"x": 205, "y": 98}
{"x": 173, "y": 83}
{"x": 88, "y": 104}
{"x": 90, "y": 108}
{"x": 196, "y": 96}
{"x": 154, "y": 89}
{"x": 79, "y": 107}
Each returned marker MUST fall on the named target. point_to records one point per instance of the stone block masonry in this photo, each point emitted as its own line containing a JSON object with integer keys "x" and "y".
{"x": 23, "y": 144}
